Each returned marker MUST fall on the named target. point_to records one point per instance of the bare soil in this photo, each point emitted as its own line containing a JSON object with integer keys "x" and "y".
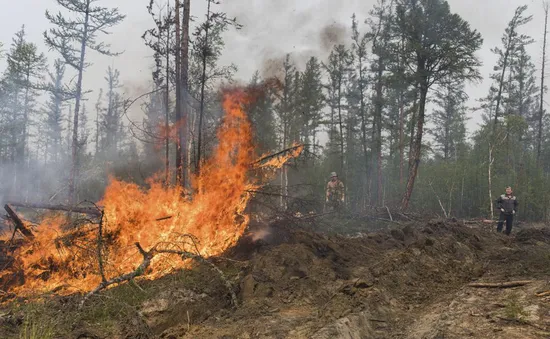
{"x": 303, "y": 281}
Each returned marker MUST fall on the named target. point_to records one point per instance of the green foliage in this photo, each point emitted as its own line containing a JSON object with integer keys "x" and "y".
{"x": 260, "y": 113}
{"x": 514, "y": 309}
{"x": 439, "y": 44}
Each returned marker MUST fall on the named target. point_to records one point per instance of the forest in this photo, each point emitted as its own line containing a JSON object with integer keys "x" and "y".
{"x": 387, "y": 111}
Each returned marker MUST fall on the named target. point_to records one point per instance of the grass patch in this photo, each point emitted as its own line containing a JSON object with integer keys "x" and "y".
{"x": 514, "y": 310}
{"x": 108, "y": 312}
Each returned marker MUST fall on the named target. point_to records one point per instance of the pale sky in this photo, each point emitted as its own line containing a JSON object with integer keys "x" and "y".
{"x": 272, "y": 28}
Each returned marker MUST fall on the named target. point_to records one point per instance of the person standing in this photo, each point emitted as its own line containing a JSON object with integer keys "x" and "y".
{"x": 508, "y": 204}
{"x": 335, "y": 193}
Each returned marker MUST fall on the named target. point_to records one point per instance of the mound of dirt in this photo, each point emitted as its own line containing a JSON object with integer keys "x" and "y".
{"x": 294, "y": 283}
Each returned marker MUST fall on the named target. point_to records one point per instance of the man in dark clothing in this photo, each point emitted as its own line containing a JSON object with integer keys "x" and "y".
{"x": 508, "y": 204}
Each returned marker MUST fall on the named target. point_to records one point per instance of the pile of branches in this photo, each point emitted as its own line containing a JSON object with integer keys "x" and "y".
{"x": 91, "y": 245}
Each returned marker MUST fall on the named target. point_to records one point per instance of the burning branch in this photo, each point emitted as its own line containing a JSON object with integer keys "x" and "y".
{"x": 294, "y": 151}
{"x": 84, "y": 210}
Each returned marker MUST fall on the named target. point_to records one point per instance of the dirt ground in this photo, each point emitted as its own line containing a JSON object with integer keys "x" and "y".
{"x": 296, "y": 280}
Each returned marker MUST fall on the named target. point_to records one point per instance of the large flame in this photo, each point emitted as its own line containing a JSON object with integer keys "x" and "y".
{"x": 210, "y": 222}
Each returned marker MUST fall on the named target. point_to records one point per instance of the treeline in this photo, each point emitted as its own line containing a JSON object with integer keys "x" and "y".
{"x": 408, "y": 66}
{"x": 364, "y": 112}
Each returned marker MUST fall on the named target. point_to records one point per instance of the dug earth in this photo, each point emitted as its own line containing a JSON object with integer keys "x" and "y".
{"x": 437, "y": 279}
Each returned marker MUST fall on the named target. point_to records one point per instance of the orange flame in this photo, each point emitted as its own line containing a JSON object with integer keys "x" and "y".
{"x": 209, "y": 223}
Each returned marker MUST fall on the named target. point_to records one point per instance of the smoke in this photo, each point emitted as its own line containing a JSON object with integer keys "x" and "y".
{"x": 260, "y": 234}
{"x": 333, "y": 34}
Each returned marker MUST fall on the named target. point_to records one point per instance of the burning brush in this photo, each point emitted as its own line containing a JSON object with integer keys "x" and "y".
{"x": 151, "y": 232}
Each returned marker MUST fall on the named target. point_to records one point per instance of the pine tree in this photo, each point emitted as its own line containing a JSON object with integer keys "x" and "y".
{"x": 54, "y": 113}
{"x": 25, "y": 69}
{"x": 312, "y": 100}
{"x": 439, "y": 45}
{"x": 207, "y": 48}
{"x": 338, "y": 68}
{"x": 450, "y": 120}
{"x": 511, "y": 41}
{"x": 542, "y": 88}
{"x": 160, "y": 40}
{"x": 71, "y": 37}
{"x": 359, "y": 49}
{"x": 261, "y": 115}
{"x": 380, "y": 36}
{"x": 111, "y": 117}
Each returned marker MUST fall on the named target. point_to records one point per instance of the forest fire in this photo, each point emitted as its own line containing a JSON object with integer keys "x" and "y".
{"x": 156, "y": 218}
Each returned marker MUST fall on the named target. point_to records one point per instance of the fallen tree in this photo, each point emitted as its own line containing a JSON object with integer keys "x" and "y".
{"x": 94, "y": 211}
{"x": 507, "y": 284}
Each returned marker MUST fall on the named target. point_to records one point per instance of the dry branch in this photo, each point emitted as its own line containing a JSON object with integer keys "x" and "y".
{"x": 389, "y": 213}
{"x": 147, "y": 257}
{"x": 19, "y": 225}
{"x": 189, "y": 255}
{"x": 100, "y": 247}
{"x": 508, "y": 284}
{"x": 84, "y": 210}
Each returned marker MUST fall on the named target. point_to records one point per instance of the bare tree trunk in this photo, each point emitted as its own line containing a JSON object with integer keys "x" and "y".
{"x": 378, "y": 139}
{"x": 341, "y": 127}
{"x": 74, "y": 147}
{"x": 401, "y": 136}
{"x": 185, "y": 83}
{"x": 203, "y": 83}
{"x": 167, "y": 105}
{"x": 413, "y": 171}
{"x": 462, "y": 196}
{"x": 401, "y": 121}
{"x": 179, "y": 96}
{"x": 25, "y": 120}
{"x": 284, "y": 174}
{"x": 490, "y": 181}
{"x": 363, "y": 131}
{"x": 97, "y": 109}
{"x": 412, "y": 125}
{"x": 541, "y": 107}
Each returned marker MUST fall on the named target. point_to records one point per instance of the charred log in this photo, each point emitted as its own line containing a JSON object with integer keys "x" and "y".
{"x": 19, "y": 225}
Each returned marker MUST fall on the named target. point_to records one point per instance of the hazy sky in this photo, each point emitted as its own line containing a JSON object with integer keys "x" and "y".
{"x": 272, "y": 28}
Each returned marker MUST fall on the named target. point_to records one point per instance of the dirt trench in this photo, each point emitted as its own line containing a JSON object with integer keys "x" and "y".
{"x": 407, "y": 282}
{"x": 402, "y": 283}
